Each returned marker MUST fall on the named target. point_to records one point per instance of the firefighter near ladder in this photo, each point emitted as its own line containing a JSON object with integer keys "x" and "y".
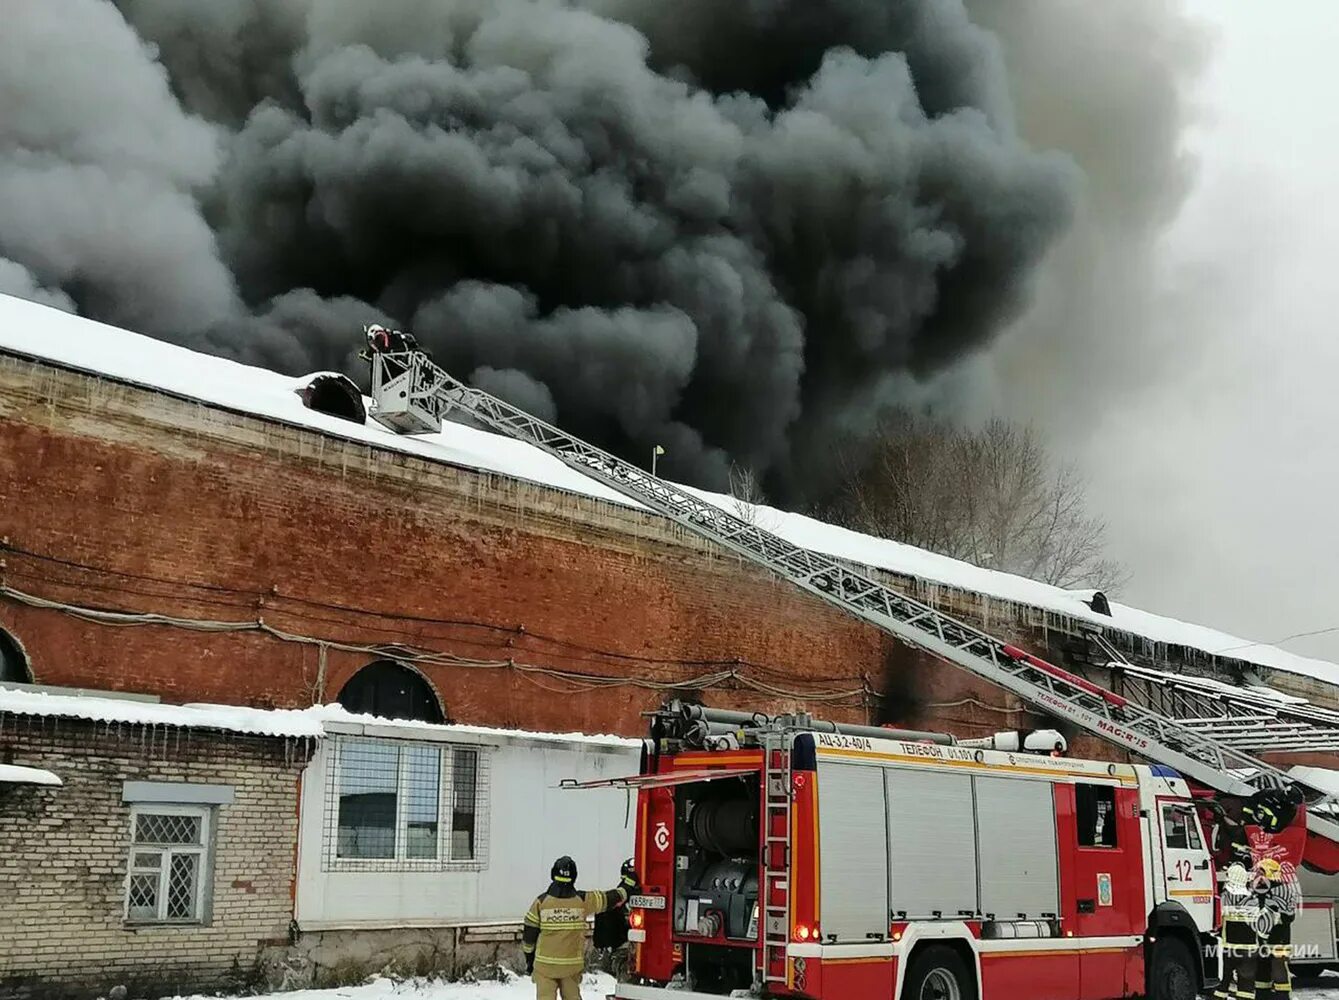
{"x": 554, "y": 939}
{"x": 1276, "y": 851}
{"x": 1259, "y": 855}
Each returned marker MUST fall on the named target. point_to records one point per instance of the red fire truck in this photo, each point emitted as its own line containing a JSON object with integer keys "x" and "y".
{"x": 799, "y": 858}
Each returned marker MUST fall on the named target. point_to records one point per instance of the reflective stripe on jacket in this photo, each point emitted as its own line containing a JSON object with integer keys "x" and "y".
{"x": 560, "y": 949}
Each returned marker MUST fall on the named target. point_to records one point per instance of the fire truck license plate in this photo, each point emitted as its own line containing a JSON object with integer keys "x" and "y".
{"x": 647, "y": 902}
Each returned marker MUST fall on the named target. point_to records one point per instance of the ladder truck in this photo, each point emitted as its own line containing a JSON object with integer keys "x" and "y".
{"x": 842, "y": 862}
{"x": 412, "y": 395}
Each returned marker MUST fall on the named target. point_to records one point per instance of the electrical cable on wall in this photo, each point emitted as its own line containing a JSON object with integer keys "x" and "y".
{"x": 263, "y": 597}
{"x": 579, "y": 681}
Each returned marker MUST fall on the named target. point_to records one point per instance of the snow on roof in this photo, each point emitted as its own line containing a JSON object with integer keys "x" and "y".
{"x": 228, "y": 718}
{"x": 338, "y": 718}
{"x": 277, "y": 722}
{"x": 13, "y": 774}
{"x": 33, "y": 330}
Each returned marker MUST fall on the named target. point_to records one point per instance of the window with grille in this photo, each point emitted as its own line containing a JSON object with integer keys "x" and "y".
{"x": 169, "y": 864}
{"x": 398, "y": 805}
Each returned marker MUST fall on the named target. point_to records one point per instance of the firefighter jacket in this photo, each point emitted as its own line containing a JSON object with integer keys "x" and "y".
{"x": 555, "y": 928}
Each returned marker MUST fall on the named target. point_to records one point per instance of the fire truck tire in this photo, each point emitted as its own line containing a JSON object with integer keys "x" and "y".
{"x": 938, "y": 973}
{"x": 1171, "y": 972}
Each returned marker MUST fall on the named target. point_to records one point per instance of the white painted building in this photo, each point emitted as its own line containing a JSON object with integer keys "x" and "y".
{"x": 409, "y": 824}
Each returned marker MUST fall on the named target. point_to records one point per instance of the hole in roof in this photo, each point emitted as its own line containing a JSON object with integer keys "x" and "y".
{"x": 335, "y": 395}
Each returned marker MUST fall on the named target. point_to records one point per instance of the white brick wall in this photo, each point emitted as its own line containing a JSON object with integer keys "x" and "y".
{"x": 63, "y": 854}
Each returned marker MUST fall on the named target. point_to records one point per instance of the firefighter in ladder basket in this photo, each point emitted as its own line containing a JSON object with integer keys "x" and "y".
{"x": 554, "y": 940}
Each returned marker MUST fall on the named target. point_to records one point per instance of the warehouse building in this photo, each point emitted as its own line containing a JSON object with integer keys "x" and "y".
{"x": 181, "y": 530}
{"x": 182, "y": 525}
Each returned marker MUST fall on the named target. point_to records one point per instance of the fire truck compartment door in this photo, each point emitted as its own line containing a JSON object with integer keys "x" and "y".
{"x": 1314, "y": 931}
{"x": 1017, "y": 846}
{"x": 853, "y": 866}
{"x": 931, "y": 843}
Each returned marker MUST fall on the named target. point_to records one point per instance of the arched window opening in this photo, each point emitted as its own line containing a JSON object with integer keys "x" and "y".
{"x": 392, "y": 691}
{"x": 13, "y": 664}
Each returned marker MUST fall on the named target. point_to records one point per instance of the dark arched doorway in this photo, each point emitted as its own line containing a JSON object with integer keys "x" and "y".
{"x": 13, "y": 664}
{"x": 392, "y": 691}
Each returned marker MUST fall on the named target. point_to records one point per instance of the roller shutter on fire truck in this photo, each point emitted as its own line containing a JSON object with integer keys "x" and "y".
{"x": 853, "y": 870}
{"x": 1015, "y": 823}
{"x": 953, "y": 845}
{"x": 932, "y": 843}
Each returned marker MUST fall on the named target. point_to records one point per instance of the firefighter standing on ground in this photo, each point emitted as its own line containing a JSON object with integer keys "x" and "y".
{"x": 554, "y": 942}
{"x": 1276, "y": 847}
{"x": 1232, "y": 851}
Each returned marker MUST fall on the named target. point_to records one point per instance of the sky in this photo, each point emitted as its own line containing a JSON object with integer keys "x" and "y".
{"x": 1217, "y": 471}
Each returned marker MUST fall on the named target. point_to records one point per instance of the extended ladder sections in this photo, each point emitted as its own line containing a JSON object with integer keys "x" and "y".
{"x": 774, "y": 894}
{"x": 410, "y": 394}
{"x": 1251, "y": 719}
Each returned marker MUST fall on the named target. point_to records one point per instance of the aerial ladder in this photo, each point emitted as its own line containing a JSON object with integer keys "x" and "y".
{"x": 412, "y": 395}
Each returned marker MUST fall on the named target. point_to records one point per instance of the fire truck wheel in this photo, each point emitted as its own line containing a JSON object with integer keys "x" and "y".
{"x": 1171, "y": 974}
{"x": 938, "y": 973}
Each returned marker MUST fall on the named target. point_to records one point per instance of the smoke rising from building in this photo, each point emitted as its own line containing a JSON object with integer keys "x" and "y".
{"x": 706, "y": 231}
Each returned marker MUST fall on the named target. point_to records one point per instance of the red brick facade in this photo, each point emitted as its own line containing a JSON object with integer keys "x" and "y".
{"x": 121, "y": 499}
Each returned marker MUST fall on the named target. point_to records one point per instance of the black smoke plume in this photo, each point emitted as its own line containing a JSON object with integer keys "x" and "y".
{"x": 697, "y": 224}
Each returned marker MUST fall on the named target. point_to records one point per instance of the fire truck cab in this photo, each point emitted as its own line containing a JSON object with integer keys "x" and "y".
{"x": 791, "y": 858}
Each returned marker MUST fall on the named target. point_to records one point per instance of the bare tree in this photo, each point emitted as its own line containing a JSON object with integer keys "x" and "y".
{"x": 991, "y": 496}
{"x": 747, "y": 495}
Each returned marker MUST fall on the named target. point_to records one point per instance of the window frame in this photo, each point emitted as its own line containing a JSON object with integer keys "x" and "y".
{"x": 204, "y": 871}
{"x": 1101, "y": 793}
{"x": 399, "y": 860}
{"x": 1188, "y": 822}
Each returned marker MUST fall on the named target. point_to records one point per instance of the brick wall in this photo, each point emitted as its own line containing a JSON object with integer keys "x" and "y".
{"x": 130, "y": 500}
{"x": 64, "y": 852}
{"x": 133, "y": 501}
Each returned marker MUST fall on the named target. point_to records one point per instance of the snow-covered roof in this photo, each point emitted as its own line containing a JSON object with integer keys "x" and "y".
{"x": 228, "y": 718}
{"x": 13, "y": 774}
{"x": 278, "y": 722}
{"x": 338, "y": 720}
{"x": 38, "y": 331}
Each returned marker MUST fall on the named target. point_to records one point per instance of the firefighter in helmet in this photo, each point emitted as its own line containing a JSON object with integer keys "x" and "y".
{"x": 1276, "y": 848}
{"x": 554, "y": 941}
{"x": 1232, "y": 854}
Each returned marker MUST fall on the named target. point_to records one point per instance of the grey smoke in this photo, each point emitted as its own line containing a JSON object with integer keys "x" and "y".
{"x": 100, "y": 171}
{"x": 707, "y": 230}
{"x": 17, "y": 280}
{"x": 1109, "y": 84}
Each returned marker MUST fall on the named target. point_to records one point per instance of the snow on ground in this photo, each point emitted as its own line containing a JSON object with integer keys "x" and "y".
{"x": 33, "y": 330}
{"x": 593, "y": 987}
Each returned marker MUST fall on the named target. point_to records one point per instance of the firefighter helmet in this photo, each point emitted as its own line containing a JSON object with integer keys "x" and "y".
{"x": 564, "y": 870}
